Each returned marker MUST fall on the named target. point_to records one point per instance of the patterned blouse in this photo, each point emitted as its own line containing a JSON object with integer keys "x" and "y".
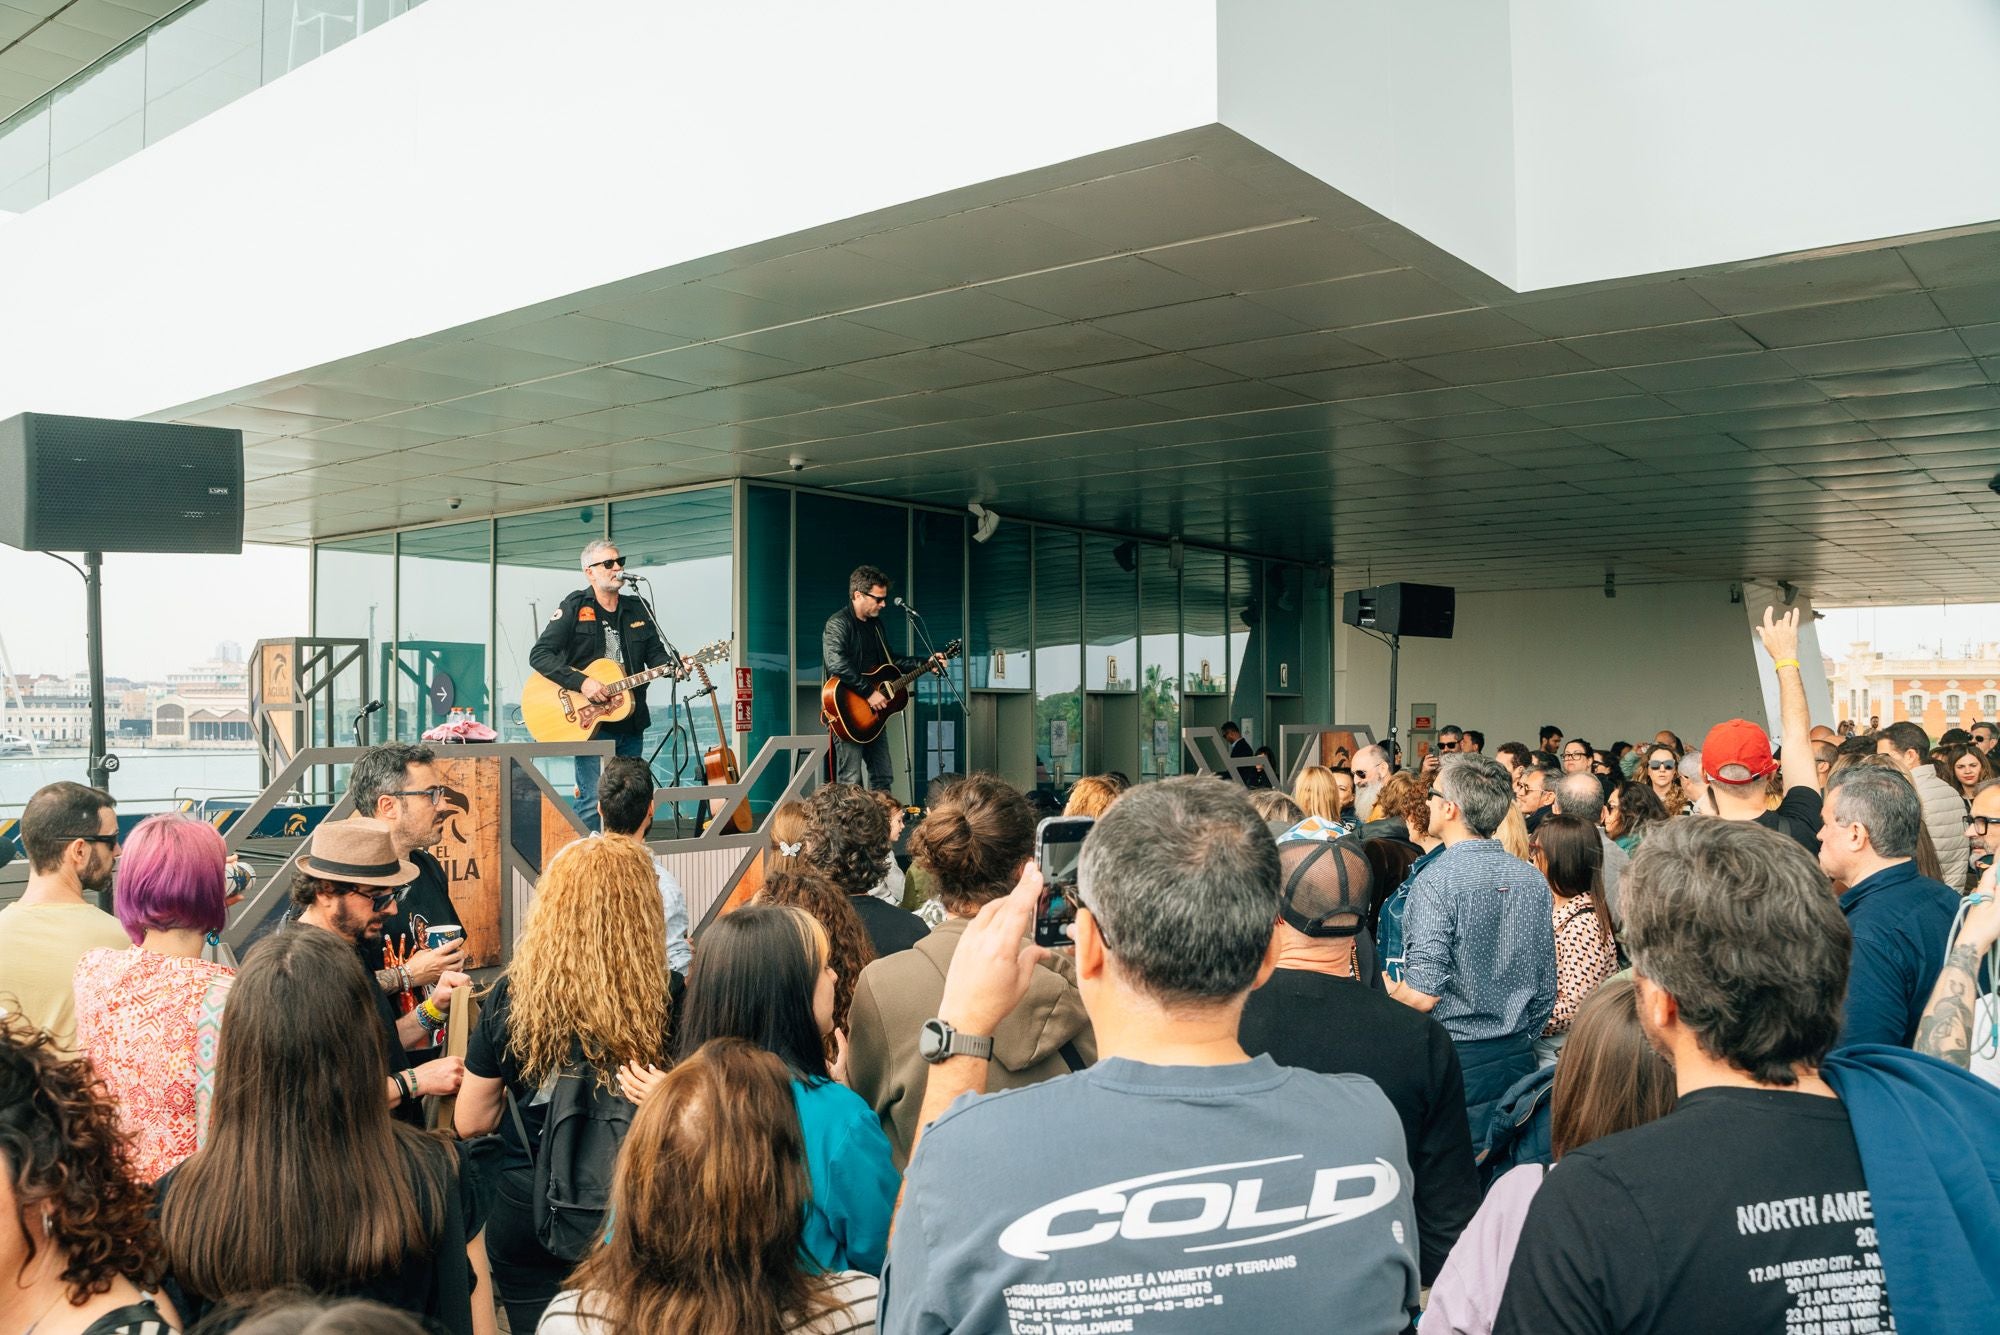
{"x": 149, "y": 1024}
{"x": 1584, "y": 959}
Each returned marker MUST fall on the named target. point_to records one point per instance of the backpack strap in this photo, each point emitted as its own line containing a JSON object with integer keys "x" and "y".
{"x": 1071, "y": 1057}
{"x": 520, "y": 1127}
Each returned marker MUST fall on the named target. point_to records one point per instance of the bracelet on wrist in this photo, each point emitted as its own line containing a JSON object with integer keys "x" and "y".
{"x": 407, "y": 1084}
{"x": 432, "y": 1011}
{"x": 1784, "y": 663}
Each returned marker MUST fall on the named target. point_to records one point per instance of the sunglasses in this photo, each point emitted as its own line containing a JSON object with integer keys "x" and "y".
{"x": 108, "y": 840}
{"x": 378, "y": 900}
{"x": 1661, "y": 764}
{"x": 1447, "y": 746}
{"x": 611, "y": 563}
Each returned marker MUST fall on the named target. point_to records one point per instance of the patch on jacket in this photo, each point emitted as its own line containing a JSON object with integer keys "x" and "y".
{"x": 586, "y": 614}
{"x": 635, "y": 625}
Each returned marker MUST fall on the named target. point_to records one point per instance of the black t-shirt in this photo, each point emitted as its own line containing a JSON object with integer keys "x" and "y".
{"x": 890, "y": 928}
{"x": 432, "y": 1285}
{"x": 1743, "y": 1210}
{"x": 1797, "y": 815}
{"x": 1318, "y": 1022}
{"x": 424, "y": 902}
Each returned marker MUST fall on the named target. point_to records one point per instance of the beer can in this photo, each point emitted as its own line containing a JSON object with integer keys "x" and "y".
{"x": 438, "y": 935}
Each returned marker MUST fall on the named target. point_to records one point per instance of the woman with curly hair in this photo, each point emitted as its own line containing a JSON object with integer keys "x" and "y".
{"x": 149, "y": 1017}
{"x": 589, "y": 976}
{"x": 1093, "y": 795}
{"x": 762, "y": 974}
{"x": 77, "y": 1250}
{"x": 847, "y": 839}
{"x": 849, "y": 949}
{"x": 305, "y": 1181}
{"x": 712, "y": 1196}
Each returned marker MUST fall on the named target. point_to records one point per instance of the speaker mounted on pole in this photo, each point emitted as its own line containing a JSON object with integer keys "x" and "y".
{"x": 94, "y": 484}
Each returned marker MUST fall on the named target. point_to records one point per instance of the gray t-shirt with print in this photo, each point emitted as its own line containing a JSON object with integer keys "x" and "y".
{"x": 1159, "y": 1199}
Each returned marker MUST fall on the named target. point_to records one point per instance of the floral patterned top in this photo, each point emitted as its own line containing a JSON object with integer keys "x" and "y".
{"x": 149, "y": 1024}
{"x": 1585, "y": 957}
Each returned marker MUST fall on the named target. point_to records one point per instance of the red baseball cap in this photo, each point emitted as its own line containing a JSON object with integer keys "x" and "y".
{"x": 1736, "y": 752}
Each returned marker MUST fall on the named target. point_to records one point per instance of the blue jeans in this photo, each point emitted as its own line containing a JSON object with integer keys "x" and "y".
{"x": 589, "y": 768}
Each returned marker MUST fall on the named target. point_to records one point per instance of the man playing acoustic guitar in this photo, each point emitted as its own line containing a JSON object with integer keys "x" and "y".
{"x": 853, "y": 647}
{"x": 594, "y": 623}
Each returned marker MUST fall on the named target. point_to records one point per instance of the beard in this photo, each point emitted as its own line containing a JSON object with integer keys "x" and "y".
{"x": 97, "y": 880}
{"x": 1364, "y": 799}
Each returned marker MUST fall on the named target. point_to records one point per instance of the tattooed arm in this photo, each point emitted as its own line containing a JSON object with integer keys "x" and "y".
{"x": 1946, "y": 1027}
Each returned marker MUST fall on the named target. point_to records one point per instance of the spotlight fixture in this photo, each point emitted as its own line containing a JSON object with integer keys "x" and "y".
{"x": 988, "y": 521}
{"x": 1610, "y": 584}
{"x": 1790, "y": 590}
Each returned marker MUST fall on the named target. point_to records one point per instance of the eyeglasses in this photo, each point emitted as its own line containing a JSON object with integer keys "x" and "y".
{"x": 1978, "y": 824}
{"x": 1575, "y": 755}
{"x": 378, "y": 900}
{"x": 611, "y": 563}
{"x": 435, "y": 794}
{"x": 108, "y": 840}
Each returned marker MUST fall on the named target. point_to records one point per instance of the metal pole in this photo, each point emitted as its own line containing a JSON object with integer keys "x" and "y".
{"x": 93, "y": 584}
{"x": 1395, "y": 651}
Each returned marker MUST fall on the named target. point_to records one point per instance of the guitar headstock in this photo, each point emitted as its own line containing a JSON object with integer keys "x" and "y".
{"x": 952, "y": 650}
{"x": 713, "y": 651}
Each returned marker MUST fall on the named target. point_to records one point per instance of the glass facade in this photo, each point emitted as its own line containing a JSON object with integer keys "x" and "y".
{"x": 1083, "y": 652}
{"x": 194, "y": 62}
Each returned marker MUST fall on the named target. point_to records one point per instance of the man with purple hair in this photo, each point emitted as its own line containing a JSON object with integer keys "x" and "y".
{"x": 70, "y": 833}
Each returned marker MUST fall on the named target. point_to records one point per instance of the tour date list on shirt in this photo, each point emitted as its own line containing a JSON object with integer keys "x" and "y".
{"x": 1121, "y": 1303}
{"x": 1840, "y": 1293}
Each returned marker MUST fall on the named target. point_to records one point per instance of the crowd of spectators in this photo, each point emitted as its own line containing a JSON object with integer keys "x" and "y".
{"x": 1560, "y": 1038}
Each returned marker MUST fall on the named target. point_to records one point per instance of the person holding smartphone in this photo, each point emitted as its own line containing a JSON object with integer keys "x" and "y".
{"x": 971, "y": 846}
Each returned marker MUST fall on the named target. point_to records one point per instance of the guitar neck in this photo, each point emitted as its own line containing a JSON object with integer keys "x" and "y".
{"x": 639, "y": 678}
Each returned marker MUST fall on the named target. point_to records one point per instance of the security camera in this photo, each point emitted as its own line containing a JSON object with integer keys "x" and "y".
{"x": 453, "y": 501}
{"x": 797, "y": 463}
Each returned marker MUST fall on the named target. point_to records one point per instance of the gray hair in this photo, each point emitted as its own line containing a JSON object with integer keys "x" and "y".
{"x": 1370, "y": 754}
{"x": 1478, "y": 787}
{"x": 1985, "y": 786}
{"x": 589, "y": 557}
{"x": 1735, "y": 922}
{"x": 1183, "y": 877}
{"x": 1580, "y": 795}
{"x": 382, "y": 770}
{"x": 1882, "y": 801}
{"x": 1691, "y": 765}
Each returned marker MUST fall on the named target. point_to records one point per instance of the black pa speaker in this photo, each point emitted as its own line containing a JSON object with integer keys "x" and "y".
{"x": 1424, "y": 611}
{"x": 93, "y": 484}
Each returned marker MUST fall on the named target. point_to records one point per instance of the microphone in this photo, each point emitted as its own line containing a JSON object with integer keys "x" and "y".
{"x": 371, "y": 707}
{"x": 362, "y": 717}
{"x": 898, "y": 602}
{"x": 628, "y": 578}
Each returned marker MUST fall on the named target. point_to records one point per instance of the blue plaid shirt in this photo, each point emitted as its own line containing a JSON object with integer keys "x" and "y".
{"x": 1479, "y": 935}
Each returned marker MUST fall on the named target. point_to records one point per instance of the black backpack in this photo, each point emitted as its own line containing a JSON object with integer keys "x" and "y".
{"x": 581, "y": 1134}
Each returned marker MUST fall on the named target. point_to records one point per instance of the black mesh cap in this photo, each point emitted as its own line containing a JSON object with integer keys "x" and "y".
{"x": 1326, "y": 886}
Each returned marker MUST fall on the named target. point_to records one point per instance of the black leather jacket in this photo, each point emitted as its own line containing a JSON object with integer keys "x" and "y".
{"x": 852, "y": 648}
{"x": 571, "y": 640}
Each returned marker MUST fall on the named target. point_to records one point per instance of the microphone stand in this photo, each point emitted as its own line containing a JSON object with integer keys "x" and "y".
{"x": 674, "y": 732}
{"x": 924, "y": 638}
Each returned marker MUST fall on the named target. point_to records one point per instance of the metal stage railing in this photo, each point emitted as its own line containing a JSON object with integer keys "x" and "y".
{"x": 497, "y": 804}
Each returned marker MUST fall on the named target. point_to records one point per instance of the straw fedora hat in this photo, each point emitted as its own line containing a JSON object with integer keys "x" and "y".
{"x": 356, "y": 851}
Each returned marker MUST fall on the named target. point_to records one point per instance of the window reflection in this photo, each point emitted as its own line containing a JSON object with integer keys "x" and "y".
{"x": 354, "y": 590}
{"x": 24, "y": 161}
{"x": 537, "y": 564}
{"x": 1058, "y": 655}
{"x": 200, "y": 61}
{"x": 444, "y": 619}
{"x": 98, "y": 120}
{"x": 1159, "y": 664}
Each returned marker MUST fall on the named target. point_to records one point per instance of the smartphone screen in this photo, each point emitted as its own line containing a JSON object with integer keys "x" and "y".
{"x": 1058, "y": 844}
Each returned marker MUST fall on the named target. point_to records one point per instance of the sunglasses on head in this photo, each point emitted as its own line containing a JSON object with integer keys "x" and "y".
{"x": 611, "y": 563}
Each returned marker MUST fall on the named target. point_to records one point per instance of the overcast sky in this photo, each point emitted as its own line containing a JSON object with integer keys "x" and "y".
{"x": 1914, "y": 632}
{"x": 161, "y": 613}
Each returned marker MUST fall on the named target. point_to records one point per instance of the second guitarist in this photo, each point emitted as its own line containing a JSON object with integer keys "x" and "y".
{"x": 852, "y": 647}
{"x": 601, "y": 621}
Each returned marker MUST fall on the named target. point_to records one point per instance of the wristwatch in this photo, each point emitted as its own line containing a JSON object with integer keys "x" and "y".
{"x": 939, "y": 1041}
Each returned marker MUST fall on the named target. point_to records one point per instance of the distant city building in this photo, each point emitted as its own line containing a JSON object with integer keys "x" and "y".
{"x": 206, "y": 705}
{"x": 1936, "y": 693}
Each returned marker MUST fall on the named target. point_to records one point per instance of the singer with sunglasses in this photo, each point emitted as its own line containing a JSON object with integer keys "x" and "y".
{"x": 601, "y": 621}
{"x": 853, "y": 649}
{"x": 345, "y": 883}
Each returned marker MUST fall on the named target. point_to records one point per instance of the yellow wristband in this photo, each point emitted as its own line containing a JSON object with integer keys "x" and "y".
{"x": 1785, "y": 663}
{"x": 431, "y": 1011}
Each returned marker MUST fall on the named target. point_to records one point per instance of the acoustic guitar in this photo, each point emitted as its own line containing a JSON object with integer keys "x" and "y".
{"x": 719, "y": 762}
{"x": 846, "y": 711}
{"x": 553, "y": 713}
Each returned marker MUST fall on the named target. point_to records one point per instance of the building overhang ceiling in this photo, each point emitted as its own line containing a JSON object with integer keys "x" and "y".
{"x": 1191, "y": 337}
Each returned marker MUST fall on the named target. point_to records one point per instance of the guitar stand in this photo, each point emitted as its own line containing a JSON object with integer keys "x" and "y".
{"x": 675, "y": 733}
